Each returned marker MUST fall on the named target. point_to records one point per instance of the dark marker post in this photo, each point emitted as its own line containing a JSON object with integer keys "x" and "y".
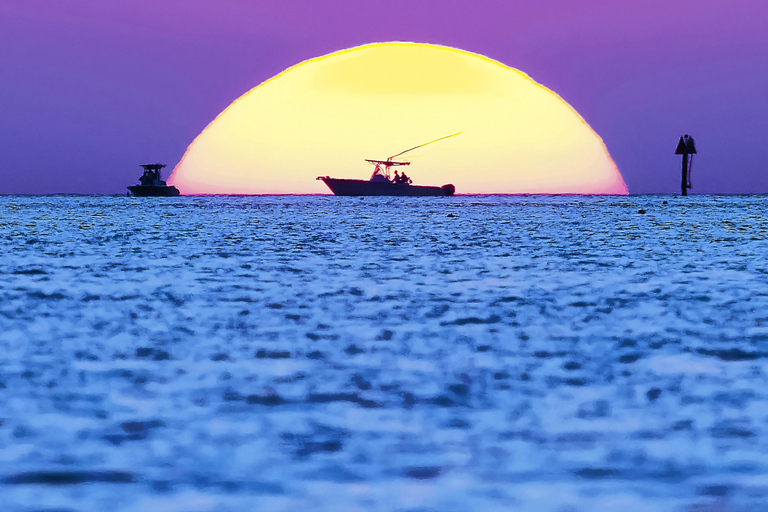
{"x": 687, "y": 148}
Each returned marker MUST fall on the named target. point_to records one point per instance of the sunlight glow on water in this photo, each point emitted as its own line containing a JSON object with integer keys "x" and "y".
{"x": 466, "y": 353}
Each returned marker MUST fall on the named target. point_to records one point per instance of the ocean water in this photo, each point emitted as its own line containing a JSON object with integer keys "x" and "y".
{"x": 434, "y": 354}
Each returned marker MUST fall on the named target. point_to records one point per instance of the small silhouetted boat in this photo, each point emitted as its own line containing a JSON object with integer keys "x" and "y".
{"x": 382, "y": 183}
{"x": 150, "y": 183}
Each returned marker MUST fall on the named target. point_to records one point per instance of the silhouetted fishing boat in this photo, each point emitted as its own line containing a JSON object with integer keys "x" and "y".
{"x": 382, "y": 183}
{"x": 150, "y": 183}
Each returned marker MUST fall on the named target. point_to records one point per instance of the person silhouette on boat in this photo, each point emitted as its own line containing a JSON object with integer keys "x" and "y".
{"x": 149, "y": 178}
{"x": 405, "y": 179}
{"x": 396, "y": 178}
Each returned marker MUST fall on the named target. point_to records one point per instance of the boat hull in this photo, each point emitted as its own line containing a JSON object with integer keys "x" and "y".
{"x": 344, "y": 187}
{"x": 153, "y": 191}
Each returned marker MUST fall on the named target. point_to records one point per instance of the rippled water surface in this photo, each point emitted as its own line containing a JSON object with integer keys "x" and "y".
{"x": 434, "y": 354}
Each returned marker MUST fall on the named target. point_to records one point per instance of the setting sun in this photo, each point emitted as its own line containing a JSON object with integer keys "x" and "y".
{"x": 326, "y": 115}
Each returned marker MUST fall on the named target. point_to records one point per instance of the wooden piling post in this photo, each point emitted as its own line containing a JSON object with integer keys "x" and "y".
{"x": 687, "y": 148}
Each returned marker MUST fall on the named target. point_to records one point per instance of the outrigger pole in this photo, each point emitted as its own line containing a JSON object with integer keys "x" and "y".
{"x": 389, "y": 162}
{"x": 425, "y": 144}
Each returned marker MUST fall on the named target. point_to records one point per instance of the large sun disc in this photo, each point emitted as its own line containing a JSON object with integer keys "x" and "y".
{"x": 326, "y": 115}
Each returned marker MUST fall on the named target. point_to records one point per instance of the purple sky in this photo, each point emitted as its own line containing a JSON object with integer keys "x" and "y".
{"x": 91, "y": 88}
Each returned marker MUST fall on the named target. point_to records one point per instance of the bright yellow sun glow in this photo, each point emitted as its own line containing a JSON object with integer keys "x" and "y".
{"x": 326, "y": 115}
